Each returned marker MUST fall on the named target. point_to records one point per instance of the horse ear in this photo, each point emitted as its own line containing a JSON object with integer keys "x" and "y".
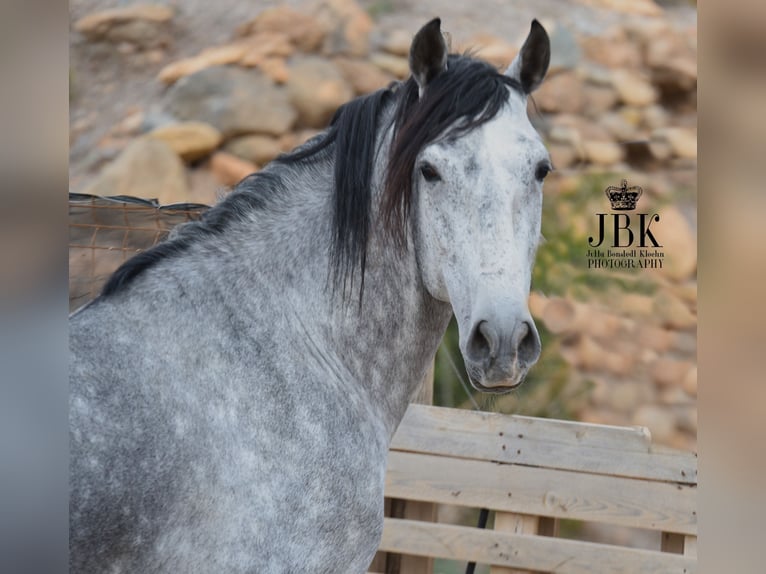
{"x": 531, "y": 63}
{"x": 428, "y": 54}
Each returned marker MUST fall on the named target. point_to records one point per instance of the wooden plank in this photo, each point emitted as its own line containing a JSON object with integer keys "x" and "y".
{"x": 378, "y": 563}
{"x": 584, "y": 447}
{"x": 690, "y": 546}
{"x": 516, "y": 524}
{"x": 416, "y": 510}
{"x": 538, "y": 553}
{"x": 541, "y": 491}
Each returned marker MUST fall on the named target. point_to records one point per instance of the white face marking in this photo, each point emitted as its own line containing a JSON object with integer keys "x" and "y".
{"x": 479, "y": 224}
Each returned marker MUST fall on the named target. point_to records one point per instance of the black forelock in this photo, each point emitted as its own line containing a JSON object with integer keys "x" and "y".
{"x": 469, "y": 93}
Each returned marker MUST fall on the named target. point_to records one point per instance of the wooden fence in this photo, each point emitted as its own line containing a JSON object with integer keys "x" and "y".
{"x": 533, "y": 473}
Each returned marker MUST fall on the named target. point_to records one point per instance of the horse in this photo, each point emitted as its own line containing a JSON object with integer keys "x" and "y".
{"x": 234, "y": 389}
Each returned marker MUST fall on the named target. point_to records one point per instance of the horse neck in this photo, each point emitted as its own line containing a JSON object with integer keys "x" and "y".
{"x": 381, "y": 346}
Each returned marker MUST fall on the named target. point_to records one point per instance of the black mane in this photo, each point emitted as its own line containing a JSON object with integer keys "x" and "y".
{"x": 468, "y": 94}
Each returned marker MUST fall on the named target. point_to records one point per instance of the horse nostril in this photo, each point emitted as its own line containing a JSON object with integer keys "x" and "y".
{"x": 527, "y": 343}
{"x": 483, "y": 343}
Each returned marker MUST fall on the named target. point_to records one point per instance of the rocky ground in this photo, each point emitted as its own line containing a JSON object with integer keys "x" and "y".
{"x": 179, "y": 100}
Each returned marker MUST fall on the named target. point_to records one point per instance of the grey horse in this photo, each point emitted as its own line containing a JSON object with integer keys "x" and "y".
{"x": 235, "y": 388}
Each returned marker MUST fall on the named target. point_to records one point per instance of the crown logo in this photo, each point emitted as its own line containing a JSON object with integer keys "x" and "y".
{"x": 623, "y": 198}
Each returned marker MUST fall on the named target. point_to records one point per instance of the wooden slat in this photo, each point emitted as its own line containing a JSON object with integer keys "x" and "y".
{"x": 600, "y": 449}
{"x": 515, "y": 524}
{"x": 537, "y": 553}
{"x": 416, "y": 510}
{"x": 541, "y": 491}
{"x": 413, "y": 509}
{"x": 690, "y": 546}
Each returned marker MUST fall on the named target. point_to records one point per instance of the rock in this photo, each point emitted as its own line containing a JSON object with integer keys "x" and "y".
{"x": 305, "y": 135}
{"x": 636, "y": 305}
{"x": 686, "y": 419}
{"x": 658, "y": 420}
{"x": 602, "y": 152}
{"x": 204, "y": 186}
{"x": 655, "y": 117}
{"x": 190, "y": 140}
{"x": 251, "y": 52}
{"x": 233, "y": 100}
{"x": 265, "y": 45}
{"x": 664, "y": 45}
{"x": 655, "y": 338}
{"x": 146, "y": 168}
{"x": 588, "y": 355}
{"x": 667, "y": 372}
{"x": 613, "y": 50}
{"x": 130, "y": 124}
{"x": 597, "y": 99}
{"x": 645, "y": 31}
{"x": 362, "y": 76}
{"x": 287, "y": 142}
{"x": 563, "y": 155}
{"x": 596, "y": 74}
{"x": 154, "y": 56}
{"x": 562, "y": 315}
{"x": 561, "y": 93}
{"x": 674, "y": 396}
{"x": 623, "y": 397}
{"x": 141, "y": 25}
{"x": 496, "y": 51}
{"x": 229, "y": 169}
{"x": 618, "y": 127}
{"x": 673, "y": 314}
{"x": 537, "y": 302}
{"x": 587, "y": 129}
{"x": 259, "y": 150}
{"x": 216, "y": 56}
{"x": 679, "y": 243}
{"x": 303, "y": 30}
{"x": 395, "y": 65}
{"x": 673, "y": 142}
{"x": 397, "y": 43}
{"x": 316, "y": 89}
{"x": 348, "y": 27}
{"x": 565, "y": 134}
{"x": 633, "y": 89}
{"x": 276, "y": 69}
{"x": 634, "y": 7}
{"x": 675, "y": 77}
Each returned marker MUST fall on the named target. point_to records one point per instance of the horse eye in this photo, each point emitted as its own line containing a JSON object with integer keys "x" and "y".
{"x": 429, "y": 173}
{"x": 542, "y": 170}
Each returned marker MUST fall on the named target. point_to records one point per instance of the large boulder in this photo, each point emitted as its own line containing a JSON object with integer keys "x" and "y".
{"x": 348, "y": 27}
{"x": 147, "y": 168}
{"x": 142, "y": 25}
{"x": 303, "y": 30}
{"x": 190, "y": 140}
{"x": 233, "y": 100}
{"x": 316, "y": 88}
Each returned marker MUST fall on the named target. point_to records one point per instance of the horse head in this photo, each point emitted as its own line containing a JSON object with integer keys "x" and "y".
{"x": 477, "y": 201}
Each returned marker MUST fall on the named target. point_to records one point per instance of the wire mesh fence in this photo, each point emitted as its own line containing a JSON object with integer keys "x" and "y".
{"x": 104, "y": 232}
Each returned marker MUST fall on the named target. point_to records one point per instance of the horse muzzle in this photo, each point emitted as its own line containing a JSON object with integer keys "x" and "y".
{"x": 497, "y": 359}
